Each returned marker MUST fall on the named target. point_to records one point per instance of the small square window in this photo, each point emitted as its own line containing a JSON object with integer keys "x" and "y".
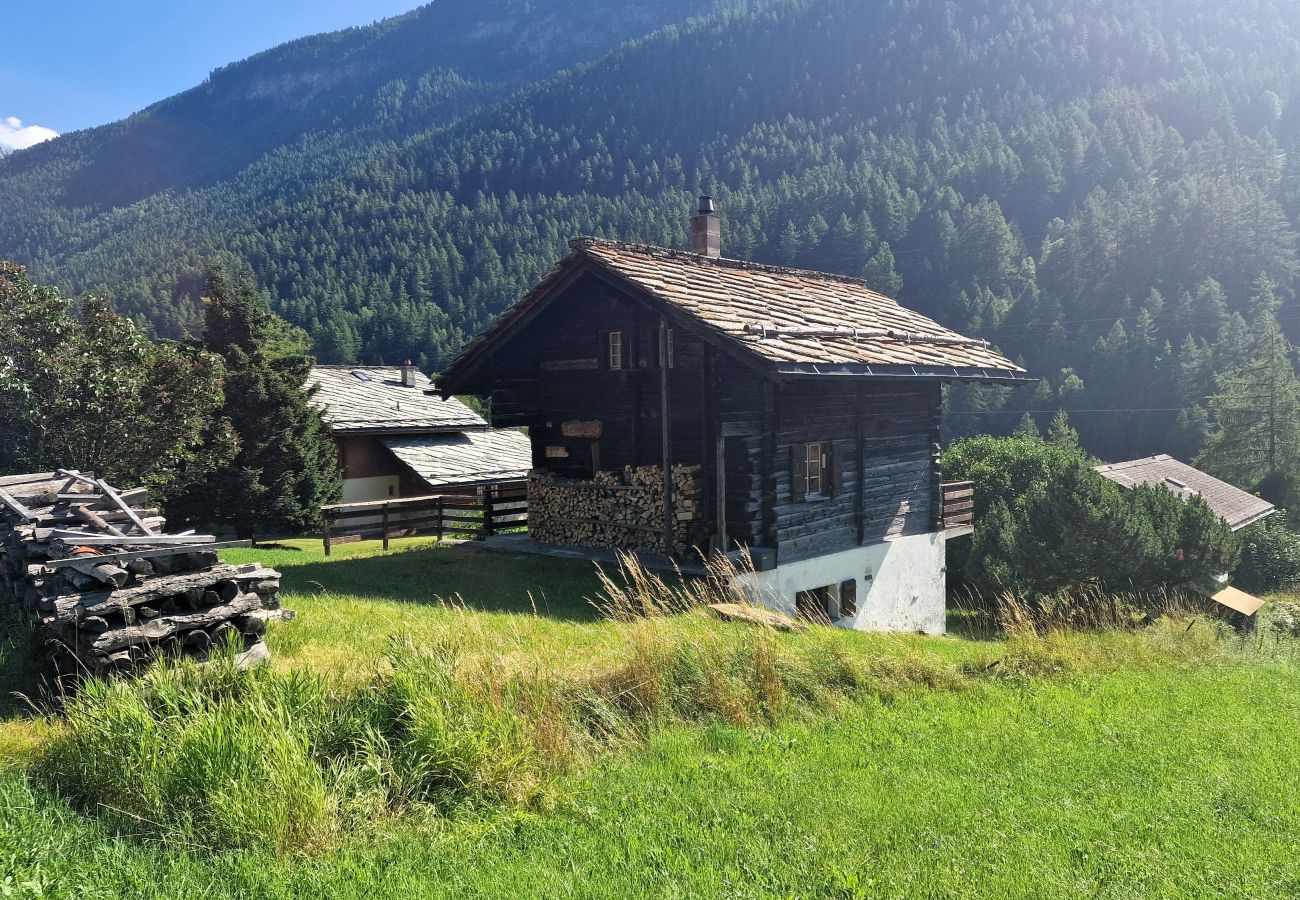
{"x": 616, "y": 349}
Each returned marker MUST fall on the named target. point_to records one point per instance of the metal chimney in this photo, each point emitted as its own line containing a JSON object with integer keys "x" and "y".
{"x": 706, "y": 229}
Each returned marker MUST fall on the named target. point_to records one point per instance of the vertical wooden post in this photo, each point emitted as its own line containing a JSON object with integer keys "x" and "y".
{"x": 859, "y": 501}
{"x": 665, "y": 407}
{"x": 439, "y": 508}
{"x": 488, "y": 511}
{"x": 326, "y": 520}
{"x": 384, "y": 527}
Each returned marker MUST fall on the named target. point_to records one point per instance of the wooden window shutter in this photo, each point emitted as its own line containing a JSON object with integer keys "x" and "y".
{"x": 848, "y": 598}
{"x": 831, "y": 470}
{"x": 798, "y": 472}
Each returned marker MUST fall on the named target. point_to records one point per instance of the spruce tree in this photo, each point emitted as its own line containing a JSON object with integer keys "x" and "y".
{"x": 1256, "y": 412}
{"x": 286, "y": 466}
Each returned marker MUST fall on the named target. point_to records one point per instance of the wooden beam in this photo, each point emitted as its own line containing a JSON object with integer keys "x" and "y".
{"x": 105, "y": 540}
{"x": 74, "y": 562}
{"x": 124, "y": 506}
{"x": 17, "y": 508}
{"x": 665, "y": 405}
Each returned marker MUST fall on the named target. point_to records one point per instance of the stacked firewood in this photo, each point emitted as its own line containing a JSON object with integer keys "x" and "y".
{"x": 615, "y": 510}
{"x": 109, "y": 591}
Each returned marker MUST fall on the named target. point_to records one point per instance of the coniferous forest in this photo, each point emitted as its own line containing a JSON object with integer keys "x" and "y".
{"x": 1108, "y": 191}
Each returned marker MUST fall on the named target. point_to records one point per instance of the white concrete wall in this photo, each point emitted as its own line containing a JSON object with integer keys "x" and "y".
{"x": 364, "y": 490}
{"x": 901, "y": 584}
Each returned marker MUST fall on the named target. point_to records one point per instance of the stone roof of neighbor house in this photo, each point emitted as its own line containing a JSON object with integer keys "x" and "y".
{"x": 793, "y": 320}
{"x": 355, "y": 399}
{"x": 1235, "y": 506}
{"x": 467, "y": 458}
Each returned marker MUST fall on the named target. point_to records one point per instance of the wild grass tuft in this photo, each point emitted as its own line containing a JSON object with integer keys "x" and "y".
{"x": 473, "y": 716}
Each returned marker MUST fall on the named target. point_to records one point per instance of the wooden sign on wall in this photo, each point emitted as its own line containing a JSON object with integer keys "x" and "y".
{"x": 580, "y": 429}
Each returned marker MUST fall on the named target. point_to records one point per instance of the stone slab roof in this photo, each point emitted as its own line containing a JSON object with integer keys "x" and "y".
{"x": 471, "y": 457}
{"x": 796, "y": 321}
{"x": 1235, "y": 506}
{"x": 357, "y": 399}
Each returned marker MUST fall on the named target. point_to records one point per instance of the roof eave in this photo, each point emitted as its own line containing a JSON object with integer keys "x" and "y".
{"x": 1251, "y": 520}
{"x": 987, "y": 375}
{"x": 381, "y": 430}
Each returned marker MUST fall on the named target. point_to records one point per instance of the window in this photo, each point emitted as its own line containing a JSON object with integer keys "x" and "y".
{"x": 659, "y": 350}
{"x": 815, "y": 604}
{"x": 816, "y": 470}
{"x": 616, "y": 349}
{"x": 812, "y": 472}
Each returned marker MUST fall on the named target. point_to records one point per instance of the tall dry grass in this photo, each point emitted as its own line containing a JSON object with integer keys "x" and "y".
{"x": 292, "y": 761}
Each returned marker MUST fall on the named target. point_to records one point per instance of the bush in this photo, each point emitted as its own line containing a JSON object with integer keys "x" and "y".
{"x": 1047, "y": 523}
{"x": 1270, "y": 556}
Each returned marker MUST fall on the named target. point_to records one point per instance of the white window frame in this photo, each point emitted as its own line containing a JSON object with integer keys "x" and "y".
{"x": 659, "y": 350}
{"x": 616, "y": 350}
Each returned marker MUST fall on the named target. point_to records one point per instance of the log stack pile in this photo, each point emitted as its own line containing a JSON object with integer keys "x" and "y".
{"x": 109, "y": 591}
{"x": 615, "y": 510}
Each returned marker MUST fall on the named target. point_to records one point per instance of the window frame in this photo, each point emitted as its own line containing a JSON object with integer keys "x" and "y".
{"x": 817, "y": 452}
{"x": 614, "y": 351}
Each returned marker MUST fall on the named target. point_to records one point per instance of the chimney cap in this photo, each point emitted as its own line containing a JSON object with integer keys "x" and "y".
{"x": 706, "y": 205}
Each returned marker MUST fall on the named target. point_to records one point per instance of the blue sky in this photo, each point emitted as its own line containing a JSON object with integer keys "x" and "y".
{"x": 70, "y": 64}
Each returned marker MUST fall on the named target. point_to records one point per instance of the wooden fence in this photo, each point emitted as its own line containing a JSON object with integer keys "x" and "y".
{"x": 958, "y": 504}
{"x": 490, "y": 510}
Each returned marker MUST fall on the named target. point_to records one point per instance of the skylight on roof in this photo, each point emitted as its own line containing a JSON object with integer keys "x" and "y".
{"x": 359, "y": 375}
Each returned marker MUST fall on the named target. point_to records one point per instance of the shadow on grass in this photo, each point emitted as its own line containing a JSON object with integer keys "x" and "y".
{"x": 484, "y": 581}
{"x": 23, "y": 675}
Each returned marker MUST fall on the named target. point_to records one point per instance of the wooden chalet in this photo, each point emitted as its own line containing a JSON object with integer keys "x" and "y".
{"x": 685, "y": 402}
{"x": 396, "y": 440}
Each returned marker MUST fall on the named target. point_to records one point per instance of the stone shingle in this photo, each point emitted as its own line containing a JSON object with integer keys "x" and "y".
{"x": 373, "y": 398}
{"x": 474, "y": 456}
{"x": 756, "y": 306}
{"x": 1233, "y": 505}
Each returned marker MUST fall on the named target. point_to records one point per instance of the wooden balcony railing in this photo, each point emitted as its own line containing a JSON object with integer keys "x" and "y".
{"x": 958, "y": 505}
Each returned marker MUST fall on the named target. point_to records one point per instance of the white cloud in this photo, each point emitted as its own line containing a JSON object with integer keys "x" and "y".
{"x": 14, "y": 135}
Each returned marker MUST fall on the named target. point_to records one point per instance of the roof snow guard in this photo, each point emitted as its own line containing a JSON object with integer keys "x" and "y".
{"x": 789, "y": 321}
{"x": 1235, "y": 506}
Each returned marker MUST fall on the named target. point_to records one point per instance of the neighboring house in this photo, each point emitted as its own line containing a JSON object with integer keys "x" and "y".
{"x": 802, "y": 418}
{"x": 397, "y": 440}
{"x": 1236, "y": 507}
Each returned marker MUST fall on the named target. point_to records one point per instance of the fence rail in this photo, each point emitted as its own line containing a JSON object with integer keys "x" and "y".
{"x": 488, "y": 510}
{"x": 958, "y": 504}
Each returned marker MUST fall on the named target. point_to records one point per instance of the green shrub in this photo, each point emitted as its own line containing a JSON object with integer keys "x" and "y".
{"x": 1270, "y": 556}
{"x": 1047, "y": 523}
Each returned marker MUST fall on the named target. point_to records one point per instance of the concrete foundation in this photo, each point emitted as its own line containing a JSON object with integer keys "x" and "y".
{"x": 900, "y": 585}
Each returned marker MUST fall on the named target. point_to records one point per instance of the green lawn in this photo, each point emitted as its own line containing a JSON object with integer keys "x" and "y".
{"x": 1161, "y": 764}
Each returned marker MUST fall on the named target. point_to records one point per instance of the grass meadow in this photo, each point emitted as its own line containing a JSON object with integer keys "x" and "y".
{"x": 444, "y": 722}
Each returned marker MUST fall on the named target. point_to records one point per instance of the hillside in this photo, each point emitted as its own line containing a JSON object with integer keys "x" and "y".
{"x": 1108, "y": 191}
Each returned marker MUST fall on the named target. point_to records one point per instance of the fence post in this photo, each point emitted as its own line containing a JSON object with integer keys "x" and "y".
{"x": 439, "y": 517}
{"x": 488, "y": 509}
{"x": 385, "y": 526}
{"x": 326, "y": 520}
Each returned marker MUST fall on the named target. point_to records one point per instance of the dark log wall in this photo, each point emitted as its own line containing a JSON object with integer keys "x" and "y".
{"x": 560, "y": 373}
{"x": 884, "y": 468}
{"x": 883, "y": 434}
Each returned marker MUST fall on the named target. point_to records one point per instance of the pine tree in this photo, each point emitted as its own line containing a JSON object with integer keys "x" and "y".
{"x": 286, "y": 465}
{"x": 1256, "y": 411}
{"x": 1060, "y": 433}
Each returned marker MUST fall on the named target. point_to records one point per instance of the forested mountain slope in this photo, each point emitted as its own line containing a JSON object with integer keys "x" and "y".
{"x": 1108, "y": 190}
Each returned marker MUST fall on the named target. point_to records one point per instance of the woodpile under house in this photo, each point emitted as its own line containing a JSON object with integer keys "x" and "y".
{"x": 109, "y": 590}
{"x": 803, "y": 407}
